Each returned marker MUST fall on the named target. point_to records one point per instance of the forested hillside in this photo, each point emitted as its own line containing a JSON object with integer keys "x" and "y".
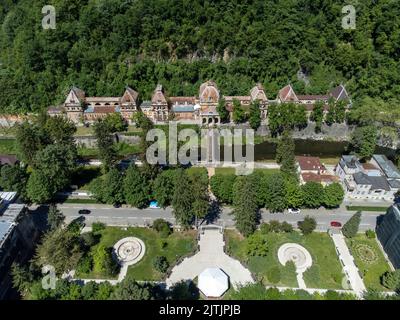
{"x": 103, "y": 45}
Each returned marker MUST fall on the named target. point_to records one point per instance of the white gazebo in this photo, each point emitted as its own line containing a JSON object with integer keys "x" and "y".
{"x": 213, "y": 282}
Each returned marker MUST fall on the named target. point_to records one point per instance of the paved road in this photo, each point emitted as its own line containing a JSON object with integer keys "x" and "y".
{"x": 132, "y": 216}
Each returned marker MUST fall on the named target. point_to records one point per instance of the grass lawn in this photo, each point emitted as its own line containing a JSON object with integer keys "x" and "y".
{"x": 369, "y": 260}
{"x": 8, "y": 146}
{"x": 326, "y": 271}
{"x": 364, "y": 208}
{"x": 178, "y": 244}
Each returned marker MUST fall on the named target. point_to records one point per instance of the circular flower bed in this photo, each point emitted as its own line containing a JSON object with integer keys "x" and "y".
{"x": 366, "y": 253}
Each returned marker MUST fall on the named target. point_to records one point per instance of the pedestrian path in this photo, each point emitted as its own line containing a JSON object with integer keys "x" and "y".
{"x": 210, "y": 255}
{"x": 347, "y": 260}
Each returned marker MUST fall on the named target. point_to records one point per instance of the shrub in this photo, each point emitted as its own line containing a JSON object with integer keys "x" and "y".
{"x": 256, "y": 245}
{"x": 98, "y": 226}
{"x": 370, "y": 234}
{"x": 308, "y": 225}
{"x": 162, "y": 227}
{"x": 161, "y": 264}
{"x": 274, "y": 226}
{"x": 274, "y": 275}
{"x": 85, "y": 265}
{"x": 286, "y": 227}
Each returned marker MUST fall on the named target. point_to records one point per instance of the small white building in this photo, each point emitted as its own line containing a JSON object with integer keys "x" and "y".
{"x": 213, "y": 282}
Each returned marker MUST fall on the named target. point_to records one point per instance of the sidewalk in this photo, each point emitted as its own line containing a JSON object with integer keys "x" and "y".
{"x": 349, "y": 267}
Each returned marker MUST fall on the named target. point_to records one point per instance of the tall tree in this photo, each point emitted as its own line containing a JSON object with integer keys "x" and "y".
{"x": 182, "y": 201}
{"x": 55, "y": 218}
{"x": 333, "y": 195}
{"x": 350, "y": 228}
{"x": 313, "y": 194}
{"x": 363, "y": 141}
{"x": 317, "y": 115}
{"x": 239, "y": 115}
{"x": 285, "y": 154}
{"x": 221, "y": 109}
{"x": 137, "y": 188}
{"x": 245, "y": 205}
{"x": 255, "y": 115}
{"x": 14, "y": 178}
{"x": 105, "y": 144}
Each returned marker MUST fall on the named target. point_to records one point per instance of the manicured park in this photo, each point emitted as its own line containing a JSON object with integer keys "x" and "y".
{"x": 173, "y": 247}
{"x": 326, "y": 271}
{"x": 369, "y": 259}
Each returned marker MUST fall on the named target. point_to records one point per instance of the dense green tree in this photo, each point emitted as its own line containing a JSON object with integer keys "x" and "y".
{"x": 199, "y": 187}
{"x": 14, "y": 178}
{"x": 294, "y": 194}
{"x": 113, "y": 184}
{"x": 239, "y": 115}
{"x": 285, "y": 155}
{"x": 256, "y": 245}
{"x": 350, "y": 228}
{"x": 21, "y": 278}
{"x": 245, "y": 205}
{"x": 363, "y": 141}
{"x": 255, "y": 115}
{"x": 163, "y": 227}
{"x": 222, "y": 187}
{"x": 317, "y": 115}
{"x": 161, "y": 264}
{"x": 55, "y": 218}
{"x": 275, "y": 193}
{"x": 116, "y": 123}
{"x": 221, "y": 109}
{"x": 182, "y": 201}
{"x": 136, "y": 188}
{"x": 105, "y": 144}
{"x": 313, "y": 194}
{"x": 308, "y": 225}
{"x": 39, "y": 188}
{"x": 184, "y": 290}
{"x": 61, "y": 249}
{"x": 391, "y": 280}
{"x": 103, "y": 262}
{"x": 162, "y": 186}
{"x": 333, "y": 195}
{"x": 129, "y": 289}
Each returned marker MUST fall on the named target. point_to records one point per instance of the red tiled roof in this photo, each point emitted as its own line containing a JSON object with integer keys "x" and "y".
{"x": 310, "y": 163}
{"x": 103, "y": 109}
{"x": 313, "y": 177}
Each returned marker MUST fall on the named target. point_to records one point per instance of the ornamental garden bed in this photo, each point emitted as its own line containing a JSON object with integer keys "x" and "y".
{"x": 173, "y": 247}
{"x": 326, "y": 271}
{"x": 369, "y": 259}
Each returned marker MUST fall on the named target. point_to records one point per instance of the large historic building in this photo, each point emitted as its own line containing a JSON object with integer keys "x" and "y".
{"x": 201, "y": 109}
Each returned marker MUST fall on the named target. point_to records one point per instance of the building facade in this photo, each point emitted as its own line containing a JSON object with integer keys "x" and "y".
{"x": 201, "y": 109}
{"x": 388, "y": 233}
{"x": 378, "y": 179}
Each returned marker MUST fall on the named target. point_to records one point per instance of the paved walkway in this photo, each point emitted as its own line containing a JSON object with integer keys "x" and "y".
{"x": 211, "y": 255}
{"x": 349, "y": 266}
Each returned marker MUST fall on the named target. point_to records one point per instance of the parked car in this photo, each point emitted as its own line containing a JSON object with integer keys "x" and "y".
{"x": 84, "y": 211}
{"x": 116, "y": 205}
{"x": 336, "y": 224}
{"x": 294, "y": 210}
